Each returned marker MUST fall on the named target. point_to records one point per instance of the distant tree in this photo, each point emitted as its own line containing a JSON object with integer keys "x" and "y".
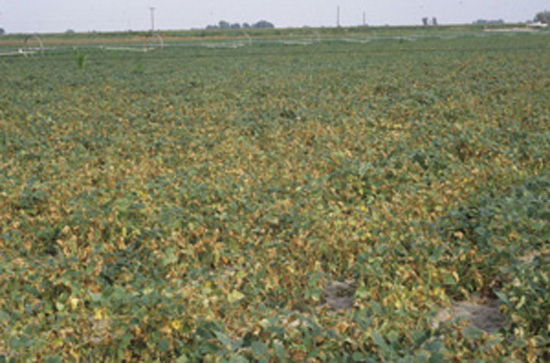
{"x": 434, "y": 21}
{"x": 425, "y": 21}
{"x": 263, "y": 24}
{"x": 2, "y": 31}
{"x": 543, "y": 17}
{"x": 224, "y": 25}
{"x": 485, "y": 21}
{"x": 69, "y": 31}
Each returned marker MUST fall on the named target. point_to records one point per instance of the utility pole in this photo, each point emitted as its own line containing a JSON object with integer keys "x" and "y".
{"x": 338, "y": 16}
{"x": 152, "y": 9}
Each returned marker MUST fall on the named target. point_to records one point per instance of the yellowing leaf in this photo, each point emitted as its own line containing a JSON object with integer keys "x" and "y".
{"x": 176, "y": 324}
{"x": 100, "y": 314}
{"x": 74, "y": 302}
{"x": 235, "y": 296}
{"x": 455, "y": 275}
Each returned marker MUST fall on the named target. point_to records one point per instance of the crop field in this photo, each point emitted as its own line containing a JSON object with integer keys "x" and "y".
{"x": 341, "y": 201}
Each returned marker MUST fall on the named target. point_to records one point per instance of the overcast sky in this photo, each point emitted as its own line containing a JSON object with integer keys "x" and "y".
{"x": 107, "y": 15}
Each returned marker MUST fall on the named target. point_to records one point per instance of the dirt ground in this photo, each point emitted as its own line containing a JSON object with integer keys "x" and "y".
{"x": 481, "y": 313}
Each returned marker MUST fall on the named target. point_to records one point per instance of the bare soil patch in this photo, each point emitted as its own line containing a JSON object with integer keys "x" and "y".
{"x": 484, "y": 314}
{"x": 340, "y": 295}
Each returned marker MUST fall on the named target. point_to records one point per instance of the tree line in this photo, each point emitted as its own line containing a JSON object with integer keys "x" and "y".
{"x": 262, "y": 24}
{"x": 543, "y": 17}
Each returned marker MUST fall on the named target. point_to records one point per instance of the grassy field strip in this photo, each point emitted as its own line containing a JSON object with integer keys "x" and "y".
{"x": 314, "y": 38}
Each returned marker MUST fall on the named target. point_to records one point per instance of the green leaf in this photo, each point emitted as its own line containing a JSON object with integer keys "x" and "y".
{"x": 164, "y": 345}
{"x": 393, "y": 337}
{"x": 437, "y": 357}
{"x": 223, "y": 338}
{"x": 503, "y": 297}
{"x": 472, "y": 332}
{"x": 259, "y": 349}
{"x": 95, "y": 297}
{"x": 379, "y": 341}
{"x": 376, "y": 308}
{"x": 169, "y": 259}
{"x": 279, "y": 351}
{"x": 362, "y": 292}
